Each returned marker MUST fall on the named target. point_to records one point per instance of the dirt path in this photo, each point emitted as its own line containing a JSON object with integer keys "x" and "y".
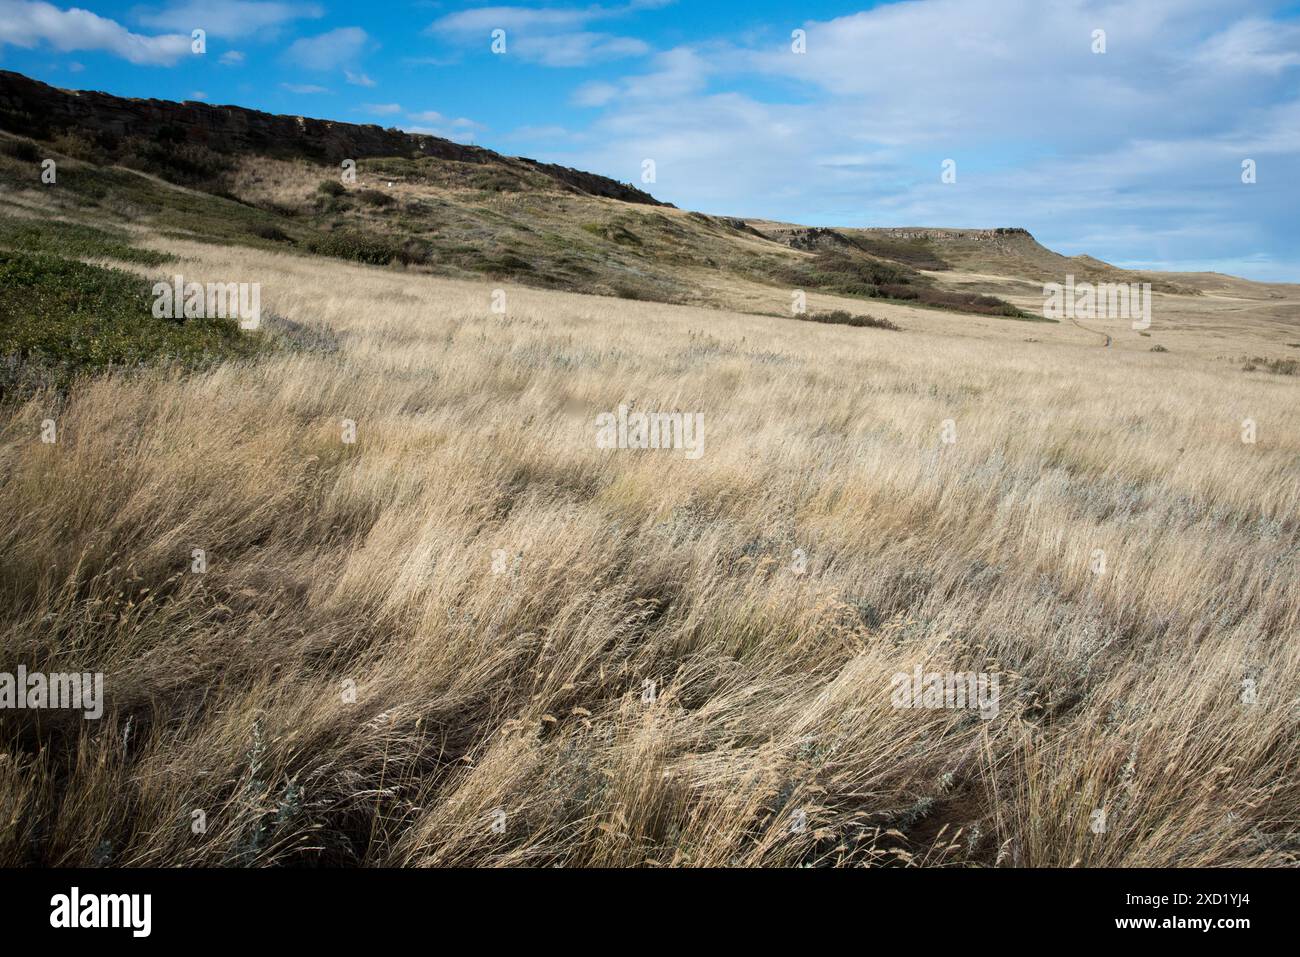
{"x": 1093, "y": 331}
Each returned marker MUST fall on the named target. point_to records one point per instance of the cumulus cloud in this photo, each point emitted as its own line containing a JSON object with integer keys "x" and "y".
{"x": 30, "y": 24}
{"x": 433, "y": 116}
{"x": 577, "y": 49}
{"x": 228, "y": 18}
{"x": 596, "y": 93}
{"x": 553, "y": 37}
{"x": 331, "y": 50}
{"x": 461, "y": 129}
{"x": 1252, "y": 46}
{"x": 483, "y": 20}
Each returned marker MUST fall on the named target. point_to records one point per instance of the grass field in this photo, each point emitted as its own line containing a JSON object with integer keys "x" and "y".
{"x": 470, "y": 636}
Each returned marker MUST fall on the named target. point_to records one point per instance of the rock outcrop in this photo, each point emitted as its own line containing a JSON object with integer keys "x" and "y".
{"x": 978, "y": 235}
{"x": 814, "y": 238}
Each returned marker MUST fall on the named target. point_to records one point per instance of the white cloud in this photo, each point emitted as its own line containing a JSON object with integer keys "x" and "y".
{"x": 304, "y": 88}
{"x": 228, "y": 18}
{"x": 546, "y": 132}
{"x": 596, "y": 93}
{"x": 461, "y": 129}
{"x": 577, "y": 49}
{"x": 991, "y": 68}
{"x": 433, "y": 116}
{"x": 553, "y": 37}
{"x": 450, "y": 60}
{"x": 486, "y": 19}
{"x": 1252, "y": 46}
{"x": 28, "y": 24}
{"x": 329, "y": 50}
{"x": 232, "y": 58}
{"x": 458, "y": 136}
{"x": 483, "y": 20}
{"x": 382, "y": 109}
{"x": 676, "y": 73}
{"x": 358, "y": 79}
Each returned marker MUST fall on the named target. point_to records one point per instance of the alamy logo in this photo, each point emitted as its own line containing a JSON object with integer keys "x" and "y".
{"x": 959, "y": 689}
{"x": 36, "y": 689}
{"x": 103, "y": 910}
{"x": 217, "y": 300}
{"x": 651, "y": 430}
{"x": 1107, "y": 300}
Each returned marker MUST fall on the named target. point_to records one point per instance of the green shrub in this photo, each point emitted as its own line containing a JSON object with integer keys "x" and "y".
{"x": 331, "y": 187}
{"x": 363, "y": 248}
{"x": 509, "y": 263}
{"x": 839, "y": 317}
{"x": 24, "y": 150}
{"x": 850, "y": 273}
{"x": 917, "y": 253}
{"x": 60, "y": 319}
{"x": 375, "y": 197}
{"x": 74, "y": 241}
{"x": 272, "y": 232}
{"x": 1275, "y": 366}
{"x": 495, "y": 181}
{"x": 79, "y": 145}
{"x": 614, "y": 232}
{"x": 190, "y": 164}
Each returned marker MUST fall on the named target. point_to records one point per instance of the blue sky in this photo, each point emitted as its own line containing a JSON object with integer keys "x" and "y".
{"x": 1133, "y": 155}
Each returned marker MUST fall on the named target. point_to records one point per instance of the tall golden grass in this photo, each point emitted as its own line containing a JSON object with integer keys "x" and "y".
{"x": 496, "y": 592}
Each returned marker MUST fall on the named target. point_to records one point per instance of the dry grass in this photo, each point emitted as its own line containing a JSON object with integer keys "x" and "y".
{"x": 521, "y": 689}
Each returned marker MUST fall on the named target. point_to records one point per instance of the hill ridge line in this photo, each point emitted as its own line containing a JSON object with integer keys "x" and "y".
{"x": 33, "y": 108}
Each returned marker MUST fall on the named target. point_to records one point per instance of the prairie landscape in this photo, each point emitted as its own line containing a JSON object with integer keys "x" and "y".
{"x": 522, "y": 690}
{"x": 366, "y": 590}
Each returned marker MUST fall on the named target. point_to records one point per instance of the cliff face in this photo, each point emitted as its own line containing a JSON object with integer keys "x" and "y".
{"x": 38, "y": 110}
{"x": 978, "y": 235}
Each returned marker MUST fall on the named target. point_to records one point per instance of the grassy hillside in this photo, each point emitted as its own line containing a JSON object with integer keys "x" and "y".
{"x": 461, "y": 219}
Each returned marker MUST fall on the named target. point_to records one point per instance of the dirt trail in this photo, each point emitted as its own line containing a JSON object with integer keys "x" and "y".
{"x": 1105, "y": 336}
